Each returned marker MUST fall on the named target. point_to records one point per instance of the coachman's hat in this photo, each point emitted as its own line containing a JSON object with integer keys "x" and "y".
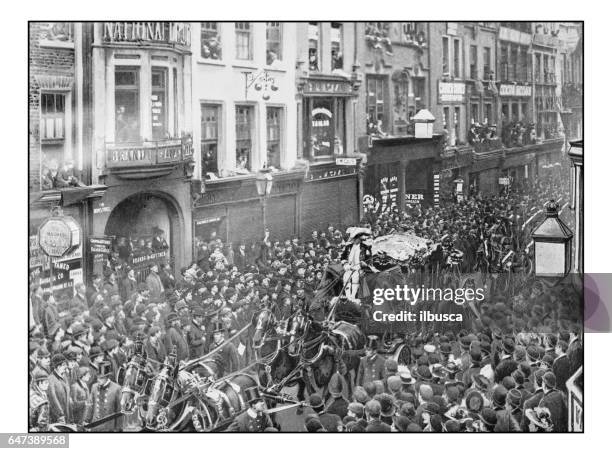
{"x": 105, "y": 369}
{"x": 372, "y": 342}
{"x": 252, "y": 395}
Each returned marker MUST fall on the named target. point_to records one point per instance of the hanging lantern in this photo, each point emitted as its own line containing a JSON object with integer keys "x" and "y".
{"x": 553, "y": 244}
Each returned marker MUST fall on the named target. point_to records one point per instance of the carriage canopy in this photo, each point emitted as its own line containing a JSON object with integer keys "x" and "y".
{"x": 399, "y": 246}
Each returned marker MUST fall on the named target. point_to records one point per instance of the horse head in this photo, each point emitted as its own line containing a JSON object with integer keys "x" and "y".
{"x": 298, "y": 326}
{"x": 162, "y": 391}
{"x": 133, "y": 380}
{"x": 263, "y": 322}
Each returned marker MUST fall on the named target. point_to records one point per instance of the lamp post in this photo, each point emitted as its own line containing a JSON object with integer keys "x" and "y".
{"x": 576, "y": 155}
{"x": 263, "y": 182}
{"x": 553, "y": 244}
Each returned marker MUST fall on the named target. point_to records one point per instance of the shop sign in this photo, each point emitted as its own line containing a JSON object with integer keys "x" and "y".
{"x": 346, "y": 161}
{"x": 415, "y": 198}
{"x": 515, "y": 90}
{"x": 100, "y": 245}
{"x": 451, "y": 92}
{"x": 321, "y": 87}
{"x": 59, "y": 235}
{"x": 148, "y": 32}
{"x": 149, "y": 258}
{"x": 333, "y": 173}
{"x": 208, "y": 221}
{"x": 504, "y": 181}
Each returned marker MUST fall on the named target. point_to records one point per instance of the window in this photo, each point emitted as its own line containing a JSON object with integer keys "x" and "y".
{"x": 489, "y": 114}
{"x": 127, "y": 111}
{"x": 273, "y": 126}
{"x": 53, "y": 111}
{"x": 313, "y": 46}
{"x": 337, "y": 60}
{"x": 524, "y": 112}
{"x": 538, "y": 68}
{"x": 159, "y": 101}
{"x": 446, "y": 124}
{"x": 486, "y": 57}
{"x": 473, "y": 62}
{"x": 504, "y": 111}
{"x": 456, "y": 58}
{"x": 445, "y": 55}
{"x": 524, "y": 65}
{"x": 475, "y": 118}
{"x": 376, "y": 109}
{"x": 457, "y": 120}
{"x": 515, "y": 112}
{"x": 325, "y": 127}
{"x": 210, "y": 38}
{"x": 244, "y": 125}
{"x": 513, "y": 62}
{"x": 503, "y": 60}
{"x": 175, "y": 97}
{"x": 274, "y": 42}
{"x": 243, "y": 41}
{"x": 210, "y": 138}
{"x": 418, "y": 87}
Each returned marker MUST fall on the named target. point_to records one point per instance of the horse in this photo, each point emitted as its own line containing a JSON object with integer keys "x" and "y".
{"x": 184, "y": 402}
{"x": 272, "y": 348}
{"x": 325, "y": 349}
{"x": 133, "y": 379}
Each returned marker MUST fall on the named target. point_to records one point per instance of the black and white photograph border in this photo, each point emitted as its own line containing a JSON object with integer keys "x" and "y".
{"x": 305, "y": 226}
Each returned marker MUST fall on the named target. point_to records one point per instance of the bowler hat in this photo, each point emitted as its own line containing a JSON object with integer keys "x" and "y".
{"x": 39, "y": 374}
{"x": 315, "y": 402}
{"x": 514, "y": 398}
{"x": 56, "y": 360}
{"x": 394, "y": 383}
{"x": 373, "y": 408}
{"x": 499, "y": 395}
{"x": 488, "y": 416}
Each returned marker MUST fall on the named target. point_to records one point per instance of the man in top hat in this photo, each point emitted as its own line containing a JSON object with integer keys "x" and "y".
{"x": 228, "y": 352}
{"x": 58, "y": 392}
{"x": 196, "y": 334}
{"x": 337, "y": 404}
{"x": 354, "y": 258}
{"x": 175, "y": 337}
{"x": 154, "y": 283}
{"x": 255, "y": 418}
{"x": 105, "y": 401}
{"x": 39, "y": 403}
{"x": 372, "y": 365}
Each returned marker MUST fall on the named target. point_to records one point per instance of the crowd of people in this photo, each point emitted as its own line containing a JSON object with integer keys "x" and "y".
{"x": 495, "y": 378}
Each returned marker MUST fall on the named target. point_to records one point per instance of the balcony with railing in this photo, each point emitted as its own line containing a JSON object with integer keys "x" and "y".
{"x": 146, "y": 159}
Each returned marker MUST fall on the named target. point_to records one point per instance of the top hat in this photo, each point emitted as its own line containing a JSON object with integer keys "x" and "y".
{"x": 252, "y": 394}
{"x": 372, "y": 342}
{"x": 105, "y": 369}
{"x": 336, "y": 385}
{"x": 218, "y": 327}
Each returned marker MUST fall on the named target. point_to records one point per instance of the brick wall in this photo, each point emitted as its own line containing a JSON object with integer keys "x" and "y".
{"x": 42, "y": 61}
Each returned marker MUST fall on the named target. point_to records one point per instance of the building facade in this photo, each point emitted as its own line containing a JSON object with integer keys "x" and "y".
{"x": 60, "y": 183}
{"x": 394, "y": 65}
{"x": 142, "y": 138}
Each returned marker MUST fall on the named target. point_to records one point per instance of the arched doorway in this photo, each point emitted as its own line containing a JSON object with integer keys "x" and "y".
{"x": 145, "y": 228}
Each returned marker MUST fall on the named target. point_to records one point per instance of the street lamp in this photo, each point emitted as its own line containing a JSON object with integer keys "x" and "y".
{"x": 263, "y": 182}
{"x": 553, "y": 244}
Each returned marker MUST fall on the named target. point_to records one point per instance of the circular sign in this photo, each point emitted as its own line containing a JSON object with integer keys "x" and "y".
{"x": 58, "y": 236}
